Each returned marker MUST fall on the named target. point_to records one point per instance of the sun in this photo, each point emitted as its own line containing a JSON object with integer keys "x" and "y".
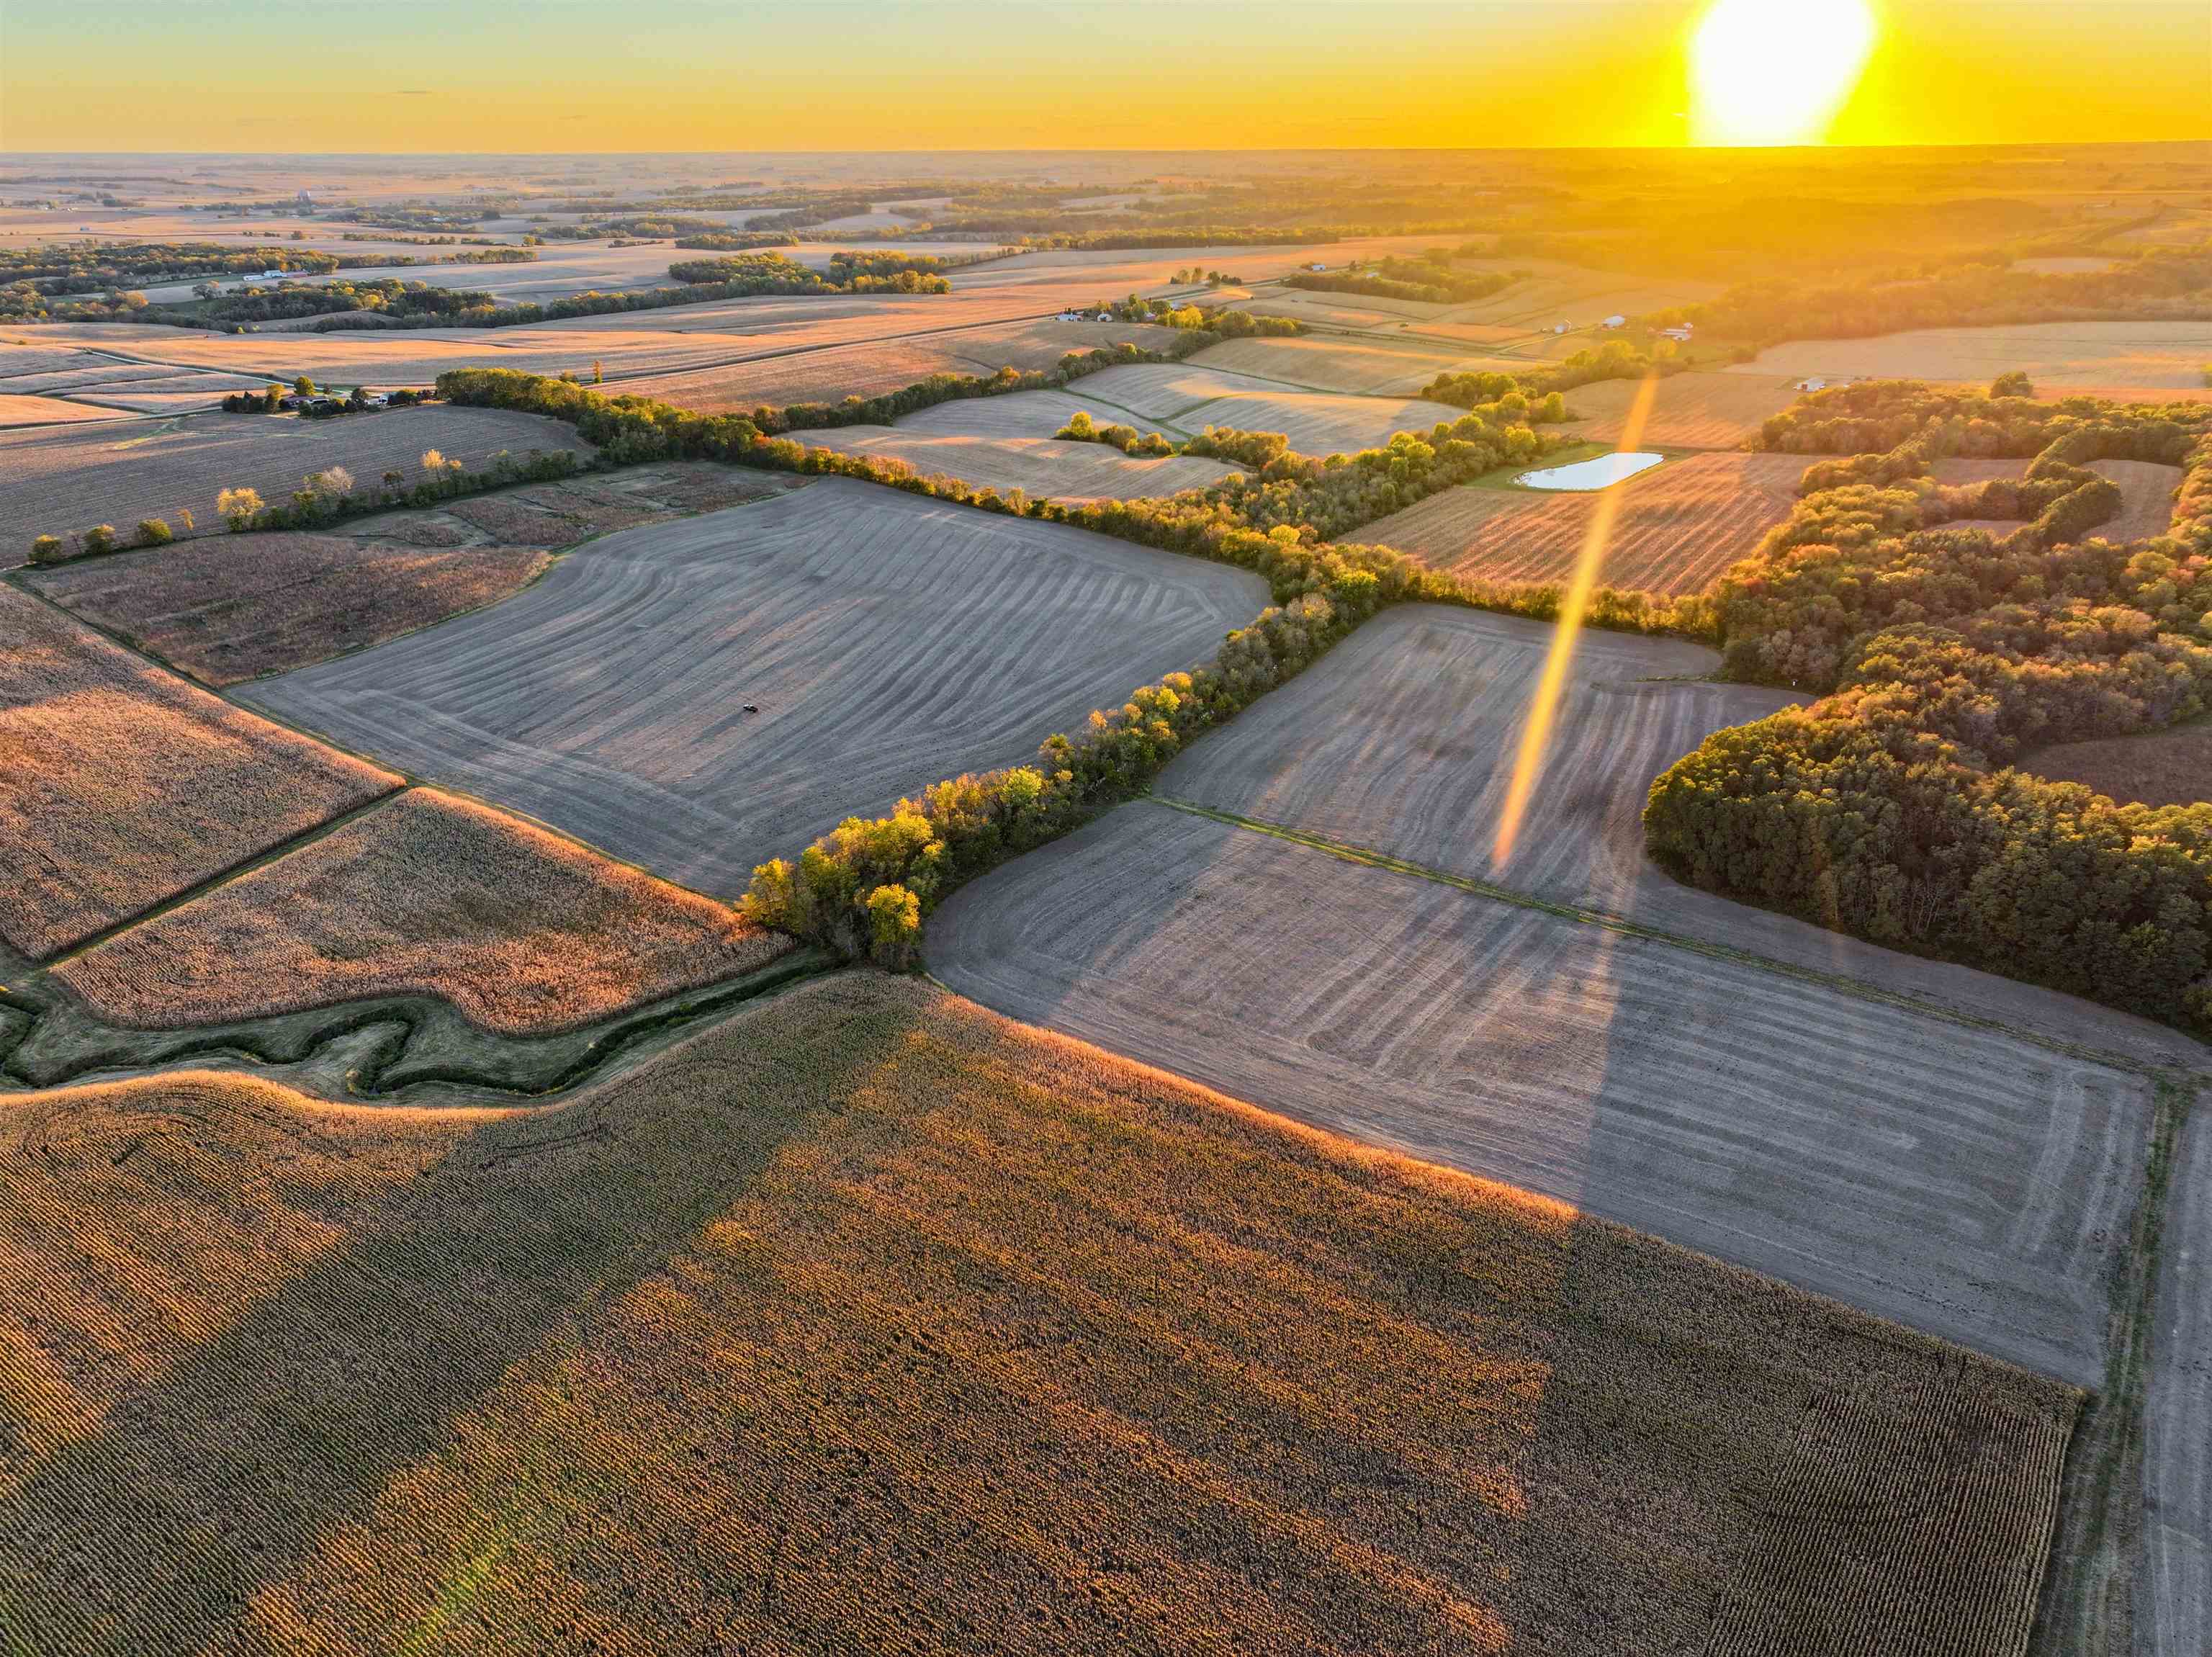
{"x": 1775, "y": 71}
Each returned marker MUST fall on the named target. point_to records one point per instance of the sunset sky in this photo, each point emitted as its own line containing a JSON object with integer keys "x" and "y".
{"x": 844, "y": 75}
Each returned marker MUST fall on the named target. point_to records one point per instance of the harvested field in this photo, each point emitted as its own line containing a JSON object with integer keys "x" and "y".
{"x": 1690, "y": 410}
{"x": 425, "y": 894}
{"x": 2171, "y": 767}
{"x": 67, "y": 480}
{"x": 888, "y": 640}
{"x": 173, "y": 394}
{"x": 2143, "y": 360}
{"x": 1678, "y": 527}
{"x": 121, "y": 786}
{"x": 1019, "y": 414}
{"x": 1969, "y": 469}
{"x": 2148, "y": 488}
{"x": 869, "y": 1312}
{"x": 1955, "y": 1178}
{"x": 1404, "y": 739}
{"x": 232, "y": 607}
{"x": 1321, "y": 363}
{"x": 48, "y": 412}
{"x": 1037, "y": 465}
{"x": 2173, "y": 1590}
{"x": 1186, "y": 399}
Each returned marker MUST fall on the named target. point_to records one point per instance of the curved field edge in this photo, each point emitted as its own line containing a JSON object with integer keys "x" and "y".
{"x": 922, "y": 1307}
{"x": 382, "y": 1048}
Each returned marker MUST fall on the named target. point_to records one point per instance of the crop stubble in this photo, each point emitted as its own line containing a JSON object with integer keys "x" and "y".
{"x": 121, "y": 785}
{"x": 868, "y": 1317}
{"x": 887, "y": 641}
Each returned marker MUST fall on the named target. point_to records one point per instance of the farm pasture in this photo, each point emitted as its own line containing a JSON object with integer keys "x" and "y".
{"x": 67, "y": 479}
{"x": 121, "y": 785}
{"x": 1678, "y": 526}
{"x": 2145, "y": 360}
{"x": 1951, "y": 1177}
{"x": 1403, "y": 740}
{"x": 423, "y": 894}
{"x": 1689, "y": 411}
{"x": 2173, "y": 1590}
{"x": 228, "y": 608}
{"x": 887, "y": 640}
{"x": 868, "y": 1311}
{"x": 1187, "y": 399}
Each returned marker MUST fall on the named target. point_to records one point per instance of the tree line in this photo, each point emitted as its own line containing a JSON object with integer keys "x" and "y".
{"x": 1431, "y": 278}
{"x": 1902, "y": 806}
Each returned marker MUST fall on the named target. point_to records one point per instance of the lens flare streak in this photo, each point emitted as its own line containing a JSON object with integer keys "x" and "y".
{"x": 1544, "y": 705}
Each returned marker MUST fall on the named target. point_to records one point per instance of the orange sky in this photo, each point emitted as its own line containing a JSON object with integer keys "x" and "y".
{"x": 846, "y": 75}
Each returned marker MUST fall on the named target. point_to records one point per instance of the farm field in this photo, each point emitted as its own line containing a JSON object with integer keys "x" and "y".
{"x": 121, "y": 785}
{"x": 863, "y": 1353}
{"x": 1186, "y": 399}
{"x": 1331, "y": 363}
{"x": 65, "y": 480}
{"x": 1689, "y": 411}
{"x": 425, "y": 894}
{"x": 2173, "y": 1590}
{"x": 2148, "y": 488}
{"x": 1037, "y": 465}
{"x": 1745, "y": 1113}
{"x": 888, "y": 641}
{"x": 34, "y": 410}
{"x": 2171, "y": 767}
{"x": 2146, "y": 361}
{"x": 227, "y": 608}
{"x": 1678, "y": 527}
{"x": 1403, "y": 740}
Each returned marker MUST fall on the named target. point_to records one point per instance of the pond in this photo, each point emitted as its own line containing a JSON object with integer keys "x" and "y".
{"x": 1590, "y": 474}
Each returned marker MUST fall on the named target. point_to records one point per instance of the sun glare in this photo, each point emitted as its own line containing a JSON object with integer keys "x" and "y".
{"x": 1763, "y": 72}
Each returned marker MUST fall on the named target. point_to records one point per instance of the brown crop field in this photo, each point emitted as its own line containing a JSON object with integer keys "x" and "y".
{"x": 2172, "y": 767}
{"x": 425, "y": 894}
{"x": 61, "y": 481}
{"x": 232, "y": 608}
{"x": 34, "y": 410}
{"x": 1326, "y": 362}
{"x": 1952, "y": 1177}
{"x": 1690, "y": 410}
{"x": 121, "y": 785}
{"x": 885, "y": 640}
{"x": 866, "y": 1320}
{"x": 1037, "y": 465}
{"x": 1678, "y": 527}
{"x": 2145, "y": 360}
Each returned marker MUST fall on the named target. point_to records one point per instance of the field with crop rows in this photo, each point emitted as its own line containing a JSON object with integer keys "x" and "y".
{"x": 61, "y": 481}
{"x": 2144, "y": 360}
{"x": 121, "y": 785}
{"x": 2149, "y": 490}
{"x": 2171, "y": 767}
{"x": 887, "y": 641}
{"x": 424, "y": 894}
{"x": 1327, "y": 362}
{"x": 32, "y": 411}
{"x": 1689, "y": 411}
{"x": 1955, "y": 1178}
{"x": 1187, "y": 398}
{"x": 950, "y": 1332}
{"x": 232, "y": 608}
{"x": 1037, "y": 465}
{"x": 2174, "y": 1592}
{"x": 1678, "y": 527}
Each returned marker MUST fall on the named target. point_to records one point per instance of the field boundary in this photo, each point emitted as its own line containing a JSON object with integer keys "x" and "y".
{"x": 1622, "y": 925}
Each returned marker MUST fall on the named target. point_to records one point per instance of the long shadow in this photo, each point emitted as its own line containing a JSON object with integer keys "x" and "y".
{"x": 230, "y": 1468}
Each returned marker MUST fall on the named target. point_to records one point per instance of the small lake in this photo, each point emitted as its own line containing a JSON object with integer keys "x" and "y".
{"x": 1590, "y": 474}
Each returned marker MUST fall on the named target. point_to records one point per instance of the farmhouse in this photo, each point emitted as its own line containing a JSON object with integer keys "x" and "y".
{"x": 1682, "y": 334}
{"x": 1616, "y": 322}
